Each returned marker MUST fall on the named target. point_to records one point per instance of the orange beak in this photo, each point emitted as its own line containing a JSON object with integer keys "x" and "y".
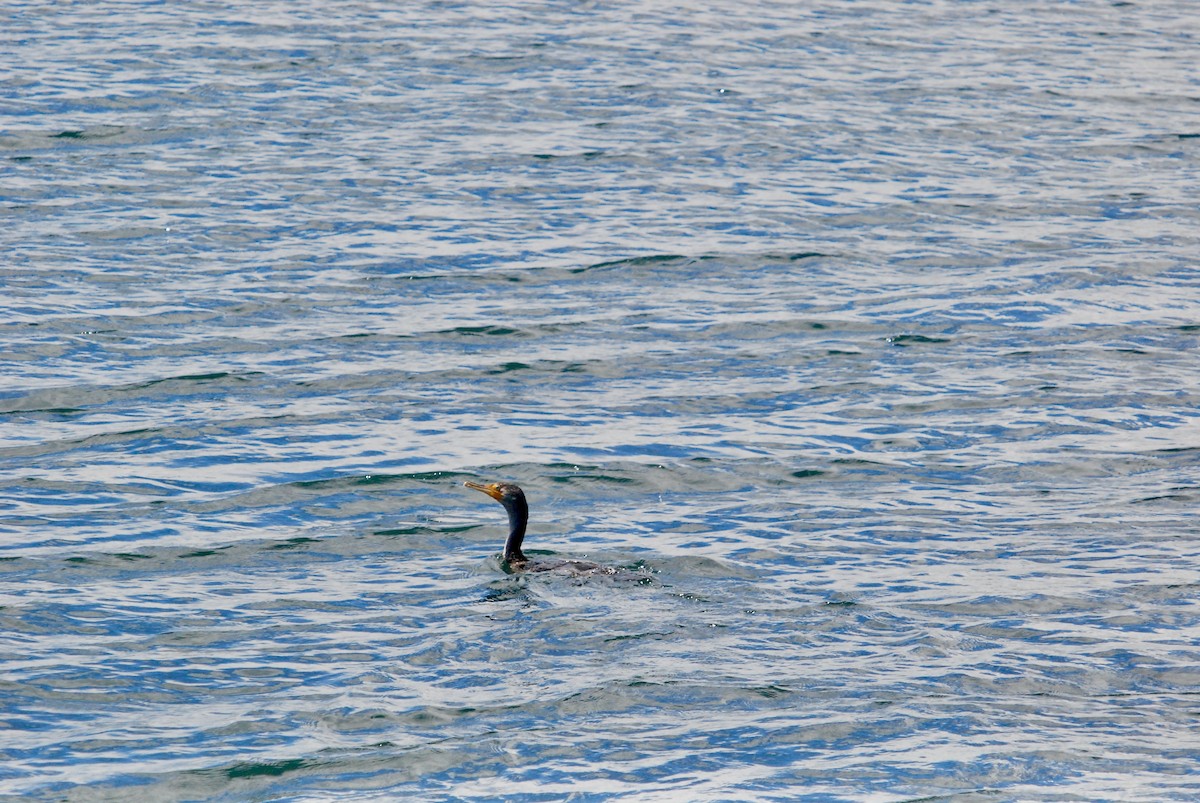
{"x": 490, "y": 490}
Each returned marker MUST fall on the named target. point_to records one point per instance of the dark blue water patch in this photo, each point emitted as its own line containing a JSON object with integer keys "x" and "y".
{"x": 56, "y": 496}
{"x": 1008, "y": 312}
{"x": 906, "y": 340}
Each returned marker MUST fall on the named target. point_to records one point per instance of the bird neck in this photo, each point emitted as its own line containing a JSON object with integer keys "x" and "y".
{"x": 518, "y": 517}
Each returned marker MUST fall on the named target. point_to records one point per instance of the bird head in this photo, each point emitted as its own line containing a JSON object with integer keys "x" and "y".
{"x": 503, "y": 492}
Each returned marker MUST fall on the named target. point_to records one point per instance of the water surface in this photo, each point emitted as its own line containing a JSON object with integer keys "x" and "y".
{"x": 861, "y": 335}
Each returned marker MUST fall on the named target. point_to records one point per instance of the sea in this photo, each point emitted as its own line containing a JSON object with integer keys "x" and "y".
{"x": 857, "y": 339}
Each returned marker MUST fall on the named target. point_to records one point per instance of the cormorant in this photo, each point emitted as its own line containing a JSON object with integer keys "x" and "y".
{"x": 513, "y": 499}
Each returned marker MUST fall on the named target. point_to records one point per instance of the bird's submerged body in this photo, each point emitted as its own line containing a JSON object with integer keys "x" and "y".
{"x": 513, "y": 499}
{"x": 577, "y": 568}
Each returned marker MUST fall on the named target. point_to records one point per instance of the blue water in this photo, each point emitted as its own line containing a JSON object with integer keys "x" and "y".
{"x": 860, "y": 335}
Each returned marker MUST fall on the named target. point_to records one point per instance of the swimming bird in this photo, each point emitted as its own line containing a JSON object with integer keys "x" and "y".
{"x": 513, "y": 499}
